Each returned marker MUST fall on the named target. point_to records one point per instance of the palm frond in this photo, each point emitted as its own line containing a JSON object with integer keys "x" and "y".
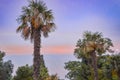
{"x": 45, "y": 34}
{"x": 21, "y": 18}
{"x": 41, "y": 6}
{"x": 26, "y": 33}
{"x": 47, "y": 28}
{"x": 51, "y": 27}
{"x": 87, "y": 35}
{"x": 48, "y": 16}
{"x": 19, "y": 29}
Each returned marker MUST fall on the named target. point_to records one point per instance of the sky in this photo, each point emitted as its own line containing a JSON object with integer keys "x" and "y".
{"x": 72, "y": 18}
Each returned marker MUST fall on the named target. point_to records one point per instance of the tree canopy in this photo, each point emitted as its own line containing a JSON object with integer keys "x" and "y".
{"x": 6, "y": 68}
{"x": 26, "y": 72}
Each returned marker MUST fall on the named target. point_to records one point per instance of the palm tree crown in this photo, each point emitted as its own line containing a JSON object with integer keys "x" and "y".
{"x": 93, "y": 42}
{"x": 35, "y": 16}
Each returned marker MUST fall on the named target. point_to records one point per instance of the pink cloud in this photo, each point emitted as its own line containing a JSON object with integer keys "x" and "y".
{"x": 22, "y": 49}
{"x": 55, "y": 49}
{"x": 59, "y": 49}
{"x": 17, "y": 49}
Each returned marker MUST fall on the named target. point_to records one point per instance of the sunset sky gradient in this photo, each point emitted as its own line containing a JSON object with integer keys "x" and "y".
{"x": 72, "y": 18}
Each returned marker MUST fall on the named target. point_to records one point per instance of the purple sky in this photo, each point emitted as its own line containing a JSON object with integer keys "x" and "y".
{"x": 72, "y": 18}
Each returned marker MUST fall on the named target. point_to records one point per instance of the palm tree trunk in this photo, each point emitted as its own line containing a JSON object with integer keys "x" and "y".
{"x": 36, "y": 60}
{"x": 94, "y": 64}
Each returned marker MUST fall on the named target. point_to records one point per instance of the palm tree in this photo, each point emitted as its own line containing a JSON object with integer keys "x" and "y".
{"x": 91, "y": 45}
{"x": 36, "y": 20}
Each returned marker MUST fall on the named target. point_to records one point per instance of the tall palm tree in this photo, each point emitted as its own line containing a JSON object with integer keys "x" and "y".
{"x": 91, "y": 45}
{"x": 36, "y": 20}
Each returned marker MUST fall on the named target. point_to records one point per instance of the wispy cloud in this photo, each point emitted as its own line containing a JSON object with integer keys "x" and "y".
{"x": 51, "y": 49}
{"x": 17, "y": 49}
{"x": 59, "y": 49}
{"x": 22, "y": 49}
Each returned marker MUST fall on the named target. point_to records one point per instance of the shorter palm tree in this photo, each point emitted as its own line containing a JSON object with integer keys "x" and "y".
{"x": 91, "y": 45}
